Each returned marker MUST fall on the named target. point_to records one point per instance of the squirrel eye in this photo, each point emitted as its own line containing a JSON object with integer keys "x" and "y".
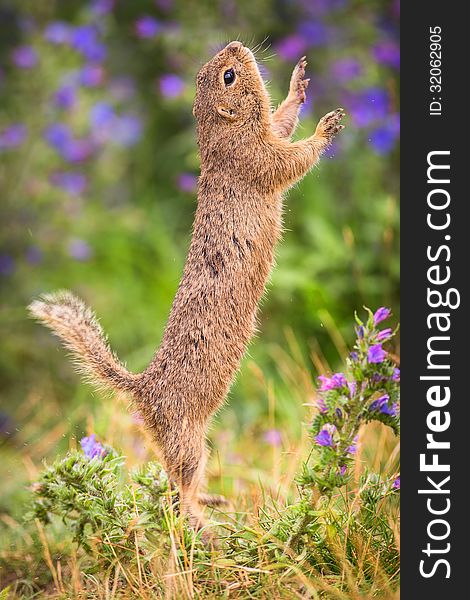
{"x": 229, "y": 76}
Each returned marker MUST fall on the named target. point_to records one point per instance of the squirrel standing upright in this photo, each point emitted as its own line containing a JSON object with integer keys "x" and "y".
{"x": 247, "y": 161}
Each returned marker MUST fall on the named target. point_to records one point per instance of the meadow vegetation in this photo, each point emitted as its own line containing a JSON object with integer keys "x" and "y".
{"x": 98, "y": 168}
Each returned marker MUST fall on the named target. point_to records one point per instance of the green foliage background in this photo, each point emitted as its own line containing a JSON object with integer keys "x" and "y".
{"x": 340, "y": 248}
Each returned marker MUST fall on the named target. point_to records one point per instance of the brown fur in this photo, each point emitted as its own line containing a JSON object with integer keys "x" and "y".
{"x": 247, "y": 161}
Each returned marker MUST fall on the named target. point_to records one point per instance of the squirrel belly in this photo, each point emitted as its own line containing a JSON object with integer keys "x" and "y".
{"x": 213, "y": 315}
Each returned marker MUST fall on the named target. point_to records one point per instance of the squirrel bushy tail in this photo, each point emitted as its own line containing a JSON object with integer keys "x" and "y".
{"x": 76, "y": 325}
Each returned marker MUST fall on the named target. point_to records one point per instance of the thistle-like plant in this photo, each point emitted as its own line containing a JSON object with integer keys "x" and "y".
{"x": 367, "y": 390}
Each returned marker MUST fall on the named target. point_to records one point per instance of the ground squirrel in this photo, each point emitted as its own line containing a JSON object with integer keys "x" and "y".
{"x": 247, "y": 161}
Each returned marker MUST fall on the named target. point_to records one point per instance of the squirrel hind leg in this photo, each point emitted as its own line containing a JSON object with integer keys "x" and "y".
{"x": 186, "y": 471}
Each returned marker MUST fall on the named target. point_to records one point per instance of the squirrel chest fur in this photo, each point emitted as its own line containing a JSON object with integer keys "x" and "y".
{"x": 247, "y": 161}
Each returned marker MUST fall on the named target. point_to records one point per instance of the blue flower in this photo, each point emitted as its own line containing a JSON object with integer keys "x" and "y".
{"x": 338, "y": 380}
{"x": 376, "y": 354}
{"x": 325, "y": 436}
{"x": 387, "y": 53}
{"x": 127, "y": 130}
{"x": 396, "y": 483}
{"x": 58, "y": 32}
{"x": 91, "y": 75}
{"x": 346, "y": 69}
{"x": 314, "y": 33}
{"x": 396, "y": 374}
{"x": 352, "y": 449}
{"x": 381, "y": 405}
{"x": 171, "y": 85}
{"x": 291, "y": 47}
{"x": 383, "y": 139}
{"x": 381, "y": 314}
{"x": 187, "y": 182}
{"x": 101, "y": 7}
{"x": 73, "y": 182}
{"x": 369, "y": 106}
{"x": 7, "y": 265}
{"x": 13, "y": 136}
{"x": 91, "y": 448}
{"x": 24, "y": 57}
{"x": 85, "y": 40}
{"x": 102, "y": 114}
{"x": 65, "y": 97}
{"x": 58, "y": 135}
{"x": 147, "y": 27}
{"x": 384, "y": 335}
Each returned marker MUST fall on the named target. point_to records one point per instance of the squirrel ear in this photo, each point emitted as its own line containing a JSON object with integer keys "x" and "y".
{"x": 227, "y": 113}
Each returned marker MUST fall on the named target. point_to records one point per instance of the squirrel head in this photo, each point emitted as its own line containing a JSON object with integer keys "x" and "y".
{"x": 230, "y": 94}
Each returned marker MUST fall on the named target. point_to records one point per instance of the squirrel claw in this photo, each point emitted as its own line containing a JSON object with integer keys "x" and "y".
{"x": 298, "y": 84}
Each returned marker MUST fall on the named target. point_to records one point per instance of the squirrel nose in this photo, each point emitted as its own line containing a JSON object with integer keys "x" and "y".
{"x": 234, "y": 46}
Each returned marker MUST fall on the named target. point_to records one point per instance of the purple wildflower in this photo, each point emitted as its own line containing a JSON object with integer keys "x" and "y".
{"x": 91, "y": 75}
{"x": 338, "y": 380}
{"x": 147, "y": 27}
{"x": 58, "y": 135}
{"x": 352, "y": 385}
{"x": 314, "y": 33}
{"x": 13, "y": 136}
{"x": 24, "y": 57}
{"x": 383, "y": 139}
{"x": 91, "y": 448}
{"x": 291, "y": 47}
{"x": 74, "y": 183}
{"x": 101, "y": 7}
{"x": 396, "y": 483}
{"x": 273, "y": 437}
{"x": 396, "y": 374}
{"x": 7, "y": 265}
{"x": 322, "y": 407}
{"x": 58, "y": 32}
{"x": 325, "y": 436}
{"x": 79, "y": 249}
{"x": 384, "y": 335}
{"x": 342, "y": 470}
{"x": 171, "y": 85}
{"x": 352, "y": 449}
{"x": 339, "y": 413}
{"x": 75, "y": 151}
{"x": 85, "y": 40}
{"x": 65, "y": 97}
{"x": 360, "y": 332}
{"x": 376, "y": 354}
{"x": 102, "y": 115}
{"x": 381, "y": 314}
{"x": 381, "y": 405}
{"x": 368, "y": 106}
{"x": 354, "y": 356}
{"x": 387, "y": 53}
{"x": 346, "y": 69}
{"x": 187, "y": 182}
{"x": 127, "y": 130}
{"x": 392, "y": 411}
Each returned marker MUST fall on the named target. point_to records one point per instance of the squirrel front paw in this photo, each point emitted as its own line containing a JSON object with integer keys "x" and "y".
{"x": 330, "y": 125}
{"x": 299, "y": 85}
